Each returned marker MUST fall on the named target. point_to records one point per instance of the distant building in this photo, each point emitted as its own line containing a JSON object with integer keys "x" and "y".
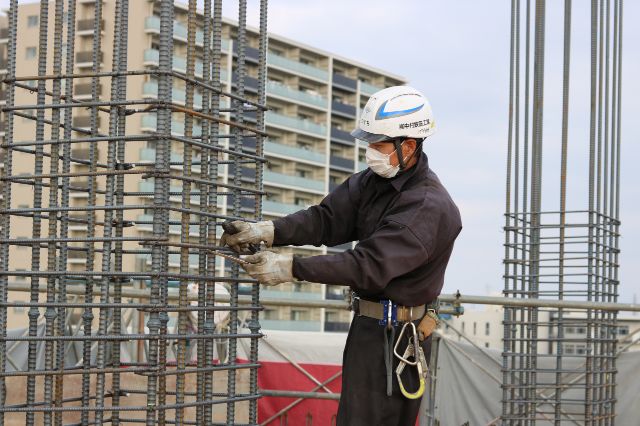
{"x": 314, "y": 98}
{"x": 485, "y": 328}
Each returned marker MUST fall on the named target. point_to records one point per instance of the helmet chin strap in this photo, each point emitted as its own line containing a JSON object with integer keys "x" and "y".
{"x": 398, "y": 145}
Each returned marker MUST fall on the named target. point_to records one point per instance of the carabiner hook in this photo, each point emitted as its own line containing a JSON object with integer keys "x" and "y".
{"x": 421, "y": 379}
{"x": 404, "y": 358}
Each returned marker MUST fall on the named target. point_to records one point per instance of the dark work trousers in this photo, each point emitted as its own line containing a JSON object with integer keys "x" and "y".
{"x": 364, "y": 400}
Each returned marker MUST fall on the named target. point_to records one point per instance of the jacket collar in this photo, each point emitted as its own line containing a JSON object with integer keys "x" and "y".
{"x": 419, "y": 170}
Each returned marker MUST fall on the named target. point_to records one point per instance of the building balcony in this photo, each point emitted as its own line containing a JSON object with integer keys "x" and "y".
{"x": 84, "y": 121}
{"x": 296, "y": 67}
{"x": 152, "y": 57}
{"x": 341, "y": 136}
{"x": 294, "y": 152}
{"x": 290, "y": 325}
{"x": 307, "y": 126}
{"x": 336, "y": 326}
{"x": 86, "y": 26}
{"x": 251, "y": 54}
{"x": 76, "y": 256}
{"x": 344, "y": 82}
{"x": 81, "y": 153}
{"x": 149, "y": 124}
{"x": 345, "y": 110}
{"x": 289, "y": 181}
{"x": 149, "y": 154}
{"x": 289, "y": 93}
{"x": 150, "y": 90}
{"x": 83, "y": 90}
{"x": 368, "y": 89}
{"x": 180, "y": 32}
{"x": 85, "y": 58}
{"x": 250, "y": 83}
{"x": 298, "y": 295}
{"x": 276, "y": 208}
{"x": 341, "y": 163}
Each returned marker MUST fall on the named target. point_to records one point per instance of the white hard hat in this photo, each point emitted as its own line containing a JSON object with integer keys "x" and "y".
{"x": 395, "y": 112}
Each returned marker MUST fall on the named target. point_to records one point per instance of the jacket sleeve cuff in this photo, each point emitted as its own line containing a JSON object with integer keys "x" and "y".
{"x": 278, "y": 226}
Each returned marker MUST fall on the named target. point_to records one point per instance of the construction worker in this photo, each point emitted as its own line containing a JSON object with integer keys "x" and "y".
{"x": 405, "y": 223}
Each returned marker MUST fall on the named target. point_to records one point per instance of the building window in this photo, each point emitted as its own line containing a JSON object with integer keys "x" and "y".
{"x": 302, "y": 173}
{"x": 475, "y": 328}
{"x": 487, "y": 329}
{"x": 581, "y": 350}
{"x": 463, "y": 326}
{"x": 270, "y": 314}
{"x": 569, "y": 350}
{"x": 331, "y": 316}
{"x": 486, "y": 344}
{"x": 623, "y": 330}
{"x": 297, "y": 315}
{"x": 31, "y": 53}
{"x": 32, "y": 21}
{"x": 303, "y": 145}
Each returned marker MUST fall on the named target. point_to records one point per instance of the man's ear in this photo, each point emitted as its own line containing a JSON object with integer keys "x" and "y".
{"x": 409, "y": 146}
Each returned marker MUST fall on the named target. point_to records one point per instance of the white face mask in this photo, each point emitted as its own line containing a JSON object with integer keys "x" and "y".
{"x": 380, "y": 164}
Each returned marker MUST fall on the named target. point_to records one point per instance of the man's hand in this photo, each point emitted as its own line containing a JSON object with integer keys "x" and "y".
{"x": 270, "y": 268}
{"x": 248, "y": 233}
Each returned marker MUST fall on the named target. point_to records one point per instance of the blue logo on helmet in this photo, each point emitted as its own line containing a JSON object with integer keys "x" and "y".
{"x": 383, "y": 115}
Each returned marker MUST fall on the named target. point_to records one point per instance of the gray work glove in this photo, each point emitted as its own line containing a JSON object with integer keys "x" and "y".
{"x": 270, "y": 268}
{"x": 249, "y": 233}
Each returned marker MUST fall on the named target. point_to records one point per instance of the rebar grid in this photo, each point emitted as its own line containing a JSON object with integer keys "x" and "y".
{"x": 104, "y": 217}
{"x": 563, "y": 253}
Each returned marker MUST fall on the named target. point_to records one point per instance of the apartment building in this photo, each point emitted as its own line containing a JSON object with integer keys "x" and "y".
{"x": 484, "y": 327}
{"x": 314, "y": 98}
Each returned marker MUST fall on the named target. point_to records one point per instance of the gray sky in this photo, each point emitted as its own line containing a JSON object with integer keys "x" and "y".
{"x": 456, "y": 52}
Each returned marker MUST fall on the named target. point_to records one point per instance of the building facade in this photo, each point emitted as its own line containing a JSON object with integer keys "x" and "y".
{"x": 314, "y": 98}
{"x": 484, "y": 327}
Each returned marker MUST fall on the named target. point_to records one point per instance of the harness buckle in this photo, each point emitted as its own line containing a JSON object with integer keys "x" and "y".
{"x": 389, "y": 313}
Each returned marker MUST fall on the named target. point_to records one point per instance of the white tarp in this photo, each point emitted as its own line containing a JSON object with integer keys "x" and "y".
{"x": 468, "y": 386}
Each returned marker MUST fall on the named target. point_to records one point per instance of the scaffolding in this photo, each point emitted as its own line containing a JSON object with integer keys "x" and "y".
{"x": 563, "y": 248}
{"x": 82, "y": 177}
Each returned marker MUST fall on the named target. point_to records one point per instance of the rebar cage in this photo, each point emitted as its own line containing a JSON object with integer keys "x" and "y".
{"x": 93, "y": 211}
{"x": 565, "y": 247}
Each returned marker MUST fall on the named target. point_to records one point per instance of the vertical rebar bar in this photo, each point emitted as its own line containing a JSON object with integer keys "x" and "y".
{"x": 203, "y": 189}
{"x": 34, "y": 313}
{"x": 122, "y": 14}
{"x": 160, "y": 200}
{"x": 566, "y": 67}
{"x": 52, "y": 265}
{"x": 238, "y": 107}
{"x": 5, "y": 219}
{"x": 254, "y": 324}
{"x": 209, "y": 323}
{"x": 64, "y": 202}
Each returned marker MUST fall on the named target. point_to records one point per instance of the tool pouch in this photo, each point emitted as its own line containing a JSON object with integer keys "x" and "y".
{"x": 426, "y": 327}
